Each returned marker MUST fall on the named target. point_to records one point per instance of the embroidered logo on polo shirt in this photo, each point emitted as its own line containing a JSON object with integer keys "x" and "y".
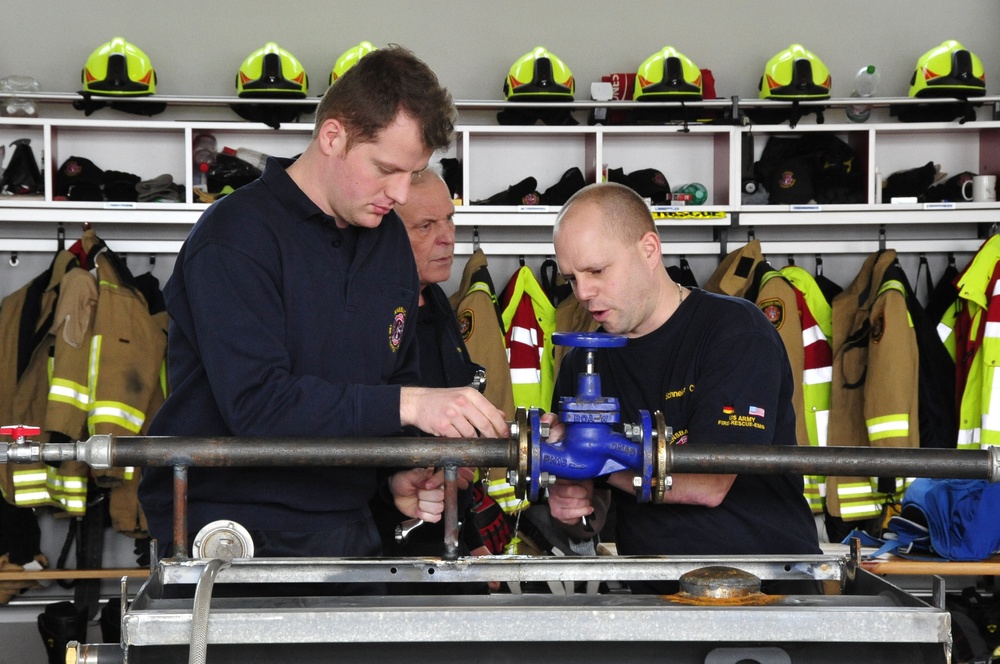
{"x": 774, "y": 309}
{"x": 466, "y": 324}
{"x": 396, "y": 329}
{"x": 728, "y": 410}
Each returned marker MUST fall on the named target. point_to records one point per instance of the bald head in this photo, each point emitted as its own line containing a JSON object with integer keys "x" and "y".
{"x": 624, "y": 215}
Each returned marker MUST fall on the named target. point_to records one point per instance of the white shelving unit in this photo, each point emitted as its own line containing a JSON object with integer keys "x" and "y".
{"x": 494, "y": 157}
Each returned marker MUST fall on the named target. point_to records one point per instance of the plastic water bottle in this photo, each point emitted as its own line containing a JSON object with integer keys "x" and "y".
{"x": 865, "y": 83}
{"x": 203, "y": 153}
{"x": 14, "y": 105}
{"x": 693, "y": 193}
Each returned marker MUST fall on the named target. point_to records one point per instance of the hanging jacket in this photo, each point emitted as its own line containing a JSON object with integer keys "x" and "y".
{"x": 733, "y": 275}
{"x": 126, "y": 367}
{"x": 977, "y": 347}
{"x": 816, "y": 318}
{"x": 25, "y": 320}
{"x": 874, "y": 397}
{"x": 744, "y": 273}
{"x": 475, "y": 305}
{"x": 68, "y": 394}
{"x": 479, "y": 320}
{"x": 530, "y": 320}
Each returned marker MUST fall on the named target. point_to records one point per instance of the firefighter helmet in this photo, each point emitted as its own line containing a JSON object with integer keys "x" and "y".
{"x": 795, "y": 74}
{"x": 668, "y": 75}
{"x": 948, "y": 70}
{"x": 349, "y": 58}
{"x": 272, "y": 72}
{"x": 119, "y": 68}
{"x": 539, "y": 76}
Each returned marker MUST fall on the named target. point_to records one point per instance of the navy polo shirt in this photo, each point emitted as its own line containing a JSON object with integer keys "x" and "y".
{"x": 283, "y": 325}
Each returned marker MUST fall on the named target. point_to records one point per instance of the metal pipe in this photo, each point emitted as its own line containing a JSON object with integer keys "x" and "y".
{"x": 410, "y": 452}
{"x": 845, "y": 461}
{"x": 491, "y": 104}
{"x": 416, "y": 452}
{"x": 180, "y": 511}
{"x": 451, "y": 512}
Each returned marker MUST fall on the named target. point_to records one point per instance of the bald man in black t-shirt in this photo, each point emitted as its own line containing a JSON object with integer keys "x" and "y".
{"x": 713, "y": 365}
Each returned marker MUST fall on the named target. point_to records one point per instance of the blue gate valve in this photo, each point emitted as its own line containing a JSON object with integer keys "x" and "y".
{"x": 591, "y": 447}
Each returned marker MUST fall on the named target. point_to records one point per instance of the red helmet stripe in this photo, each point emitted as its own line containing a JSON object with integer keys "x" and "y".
{"x": 147, "y": 78}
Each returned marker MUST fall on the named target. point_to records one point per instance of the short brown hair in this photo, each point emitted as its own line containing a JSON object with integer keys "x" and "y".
{"x": 387, "y": 81}
{"x": 625, "y": 215}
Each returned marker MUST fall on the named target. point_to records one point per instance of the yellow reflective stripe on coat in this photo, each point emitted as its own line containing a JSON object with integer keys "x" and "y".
{"x": 503, "y": 494}
{"x": 163, "y": 378}
{"x": 95, "y": 357}
{"x": 480, "y": 286}
{"x": 117, "y": 413}
{"x": 888, "y": 426}
{"x": 69, "y": 491}
{"x": 68, "y": 392}
{"x": 29, "y": 487}
{"x": 858, "y": 500}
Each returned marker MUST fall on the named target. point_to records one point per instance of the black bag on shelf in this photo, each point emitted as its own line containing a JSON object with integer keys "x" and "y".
{"x": 21, "y": 175}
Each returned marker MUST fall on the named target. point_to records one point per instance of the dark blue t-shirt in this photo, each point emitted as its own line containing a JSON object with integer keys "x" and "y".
{"x": 719, "y": 373}
{"x": 282, "y": 325}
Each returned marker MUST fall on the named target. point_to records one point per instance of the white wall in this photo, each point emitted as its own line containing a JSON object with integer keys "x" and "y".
{"x": 196, "y": 47}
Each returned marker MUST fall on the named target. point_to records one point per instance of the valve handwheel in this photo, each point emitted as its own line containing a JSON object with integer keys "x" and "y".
{"x": 589, "y": 339}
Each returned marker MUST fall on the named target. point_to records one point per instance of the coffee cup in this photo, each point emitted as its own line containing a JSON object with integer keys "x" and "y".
{"x": 984, "y": 188}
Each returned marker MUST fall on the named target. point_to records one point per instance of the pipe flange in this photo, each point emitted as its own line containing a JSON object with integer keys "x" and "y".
{"x": 660, "y": 437}
{"x": 535, "y": 470}
{"x": 523, "y": 450}
{"x": 643, "y": 488}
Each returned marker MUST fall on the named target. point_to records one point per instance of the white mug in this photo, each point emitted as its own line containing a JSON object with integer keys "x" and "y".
{"x": 984, "y": 188}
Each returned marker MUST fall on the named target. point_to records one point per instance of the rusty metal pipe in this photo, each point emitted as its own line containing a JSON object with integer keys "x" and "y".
{"x": 409, "y": 452}
{"x": 503, "y": 453}
{"x": 845, "y": 461}
{"x": 180, "y": 511}
{"x": 450, "y": 512}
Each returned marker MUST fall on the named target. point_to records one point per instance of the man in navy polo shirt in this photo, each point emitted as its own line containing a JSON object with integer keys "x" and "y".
{"x": 293, "y": 309}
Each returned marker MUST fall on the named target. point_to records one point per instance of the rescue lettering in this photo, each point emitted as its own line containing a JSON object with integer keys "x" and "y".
{"x": 741, "y": 421}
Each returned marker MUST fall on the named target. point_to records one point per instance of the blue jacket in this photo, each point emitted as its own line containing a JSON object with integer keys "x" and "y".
{"x": 283, "y": 325}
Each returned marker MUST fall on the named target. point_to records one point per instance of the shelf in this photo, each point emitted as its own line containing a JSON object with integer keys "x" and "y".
{"x": 836, "y": 215}
{"x": 495, "y": 157}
